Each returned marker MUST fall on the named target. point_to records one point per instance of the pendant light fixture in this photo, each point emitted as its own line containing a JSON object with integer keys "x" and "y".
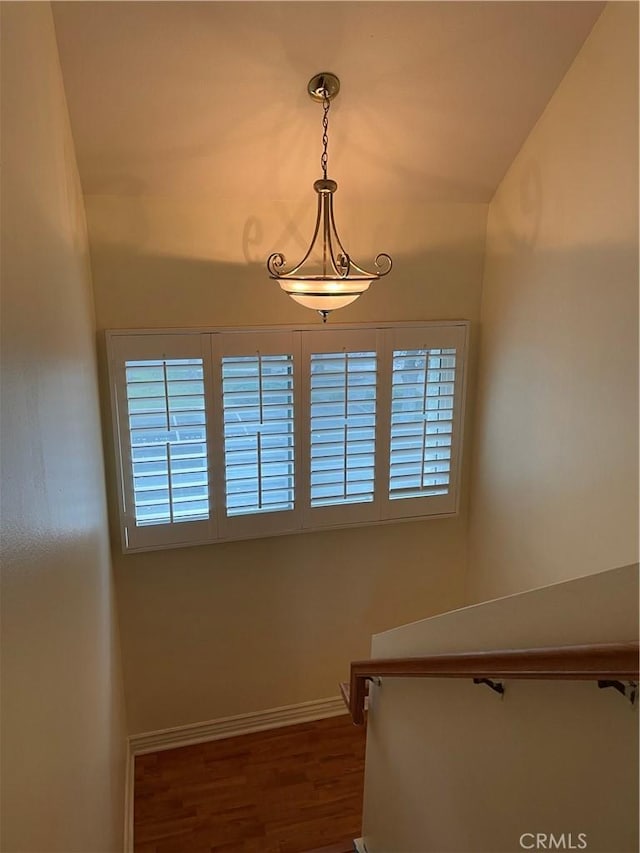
{"x": 326, "y": 278}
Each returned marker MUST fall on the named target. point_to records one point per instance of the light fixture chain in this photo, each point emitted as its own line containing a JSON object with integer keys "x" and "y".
{"x": 326, "y": 103}
{"x": 340, "y": 280}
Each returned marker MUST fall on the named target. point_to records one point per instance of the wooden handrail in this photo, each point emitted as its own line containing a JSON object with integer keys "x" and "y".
{"x": 570, "y": 663}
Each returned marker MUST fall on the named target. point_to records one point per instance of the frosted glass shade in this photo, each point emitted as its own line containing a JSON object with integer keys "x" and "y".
{"x": 324, "y": 296}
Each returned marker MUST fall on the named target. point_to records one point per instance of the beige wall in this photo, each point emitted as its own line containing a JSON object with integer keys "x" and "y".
{"x": 550, "y": 756}
{"x": 232, "y": 628}
{"x": 63, "y": 728}
{"x": 555, "y": 483}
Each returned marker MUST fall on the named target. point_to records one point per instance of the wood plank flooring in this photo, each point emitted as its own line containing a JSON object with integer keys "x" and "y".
{"x": 286, "y": 790}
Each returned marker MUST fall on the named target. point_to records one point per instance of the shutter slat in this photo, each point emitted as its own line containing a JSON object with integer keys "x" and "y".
{"x": 252, "y": 459}
{"x": 332, "y": 463}
{"x": 195, "y": 434}
{"x": 246, "y": 472}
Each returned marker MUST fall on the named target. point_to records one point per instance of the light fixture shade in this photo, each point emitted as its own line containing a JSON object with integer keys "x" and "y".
{"x": 324, "y": 296}
{"x": 326, "y": 278}
{"x": 324, "y": 304}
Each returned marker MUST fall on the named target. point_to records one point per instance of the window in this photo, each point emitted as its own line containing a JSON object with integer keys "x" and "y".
{"x": 340, "y": 424}
{"x": 167, "y": 439}
{"x": 259, "y": 447}
{"x": 343, "y": 425}
{"x": 255, "y": 376}
{"x": 226, "y": 435}
{"x": 426, "y": 375}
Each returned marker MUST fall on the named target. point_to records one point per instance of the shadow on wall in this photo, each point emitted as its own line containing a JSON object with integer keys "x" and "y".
{"x": 161, "y": 262}
{"x": 525, "y": 235}
{"x": 139, "y": 290}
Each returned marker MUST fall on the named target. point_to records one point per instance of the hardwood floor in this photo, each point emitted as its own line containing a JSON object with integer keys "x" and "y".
{"x": 286, "y": 790}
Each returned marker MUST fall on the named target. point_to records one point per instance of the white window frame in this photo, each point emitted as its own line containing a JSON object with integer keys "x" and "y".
{"x": 211, "y": 344}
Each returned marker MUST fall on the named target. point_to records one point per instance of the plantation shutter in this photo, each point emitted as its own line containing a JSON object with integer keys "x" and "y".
{"x": 167, "y": 433}
{"x": 257, "y": 375}
{"x": 425, "y": 407}
{"x": 341, "y": 370}
{"x": 163, "y": 435}
{"x": 422, "y": 392}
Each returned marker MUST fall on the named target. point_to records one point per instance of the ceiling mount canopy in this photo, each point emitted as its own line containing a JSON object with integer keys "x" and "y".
{"x": 323, "y": 85}
{"x": 326, "y": 278}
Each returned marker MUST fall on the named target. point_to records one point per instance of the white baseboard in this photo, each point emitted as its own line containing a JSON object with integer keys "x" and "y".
{"x": 358, "y": 843}
{"x": 257, "y": 721}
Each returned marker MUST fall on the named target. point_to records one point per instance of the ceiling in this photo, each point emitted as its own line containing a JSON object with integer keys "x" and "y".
{"x": 182, "y": 99}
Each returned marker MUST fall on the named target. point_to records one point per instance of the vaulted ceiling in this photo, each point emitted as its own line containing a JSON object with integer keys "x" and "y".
{"x": 209, "y": 98}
